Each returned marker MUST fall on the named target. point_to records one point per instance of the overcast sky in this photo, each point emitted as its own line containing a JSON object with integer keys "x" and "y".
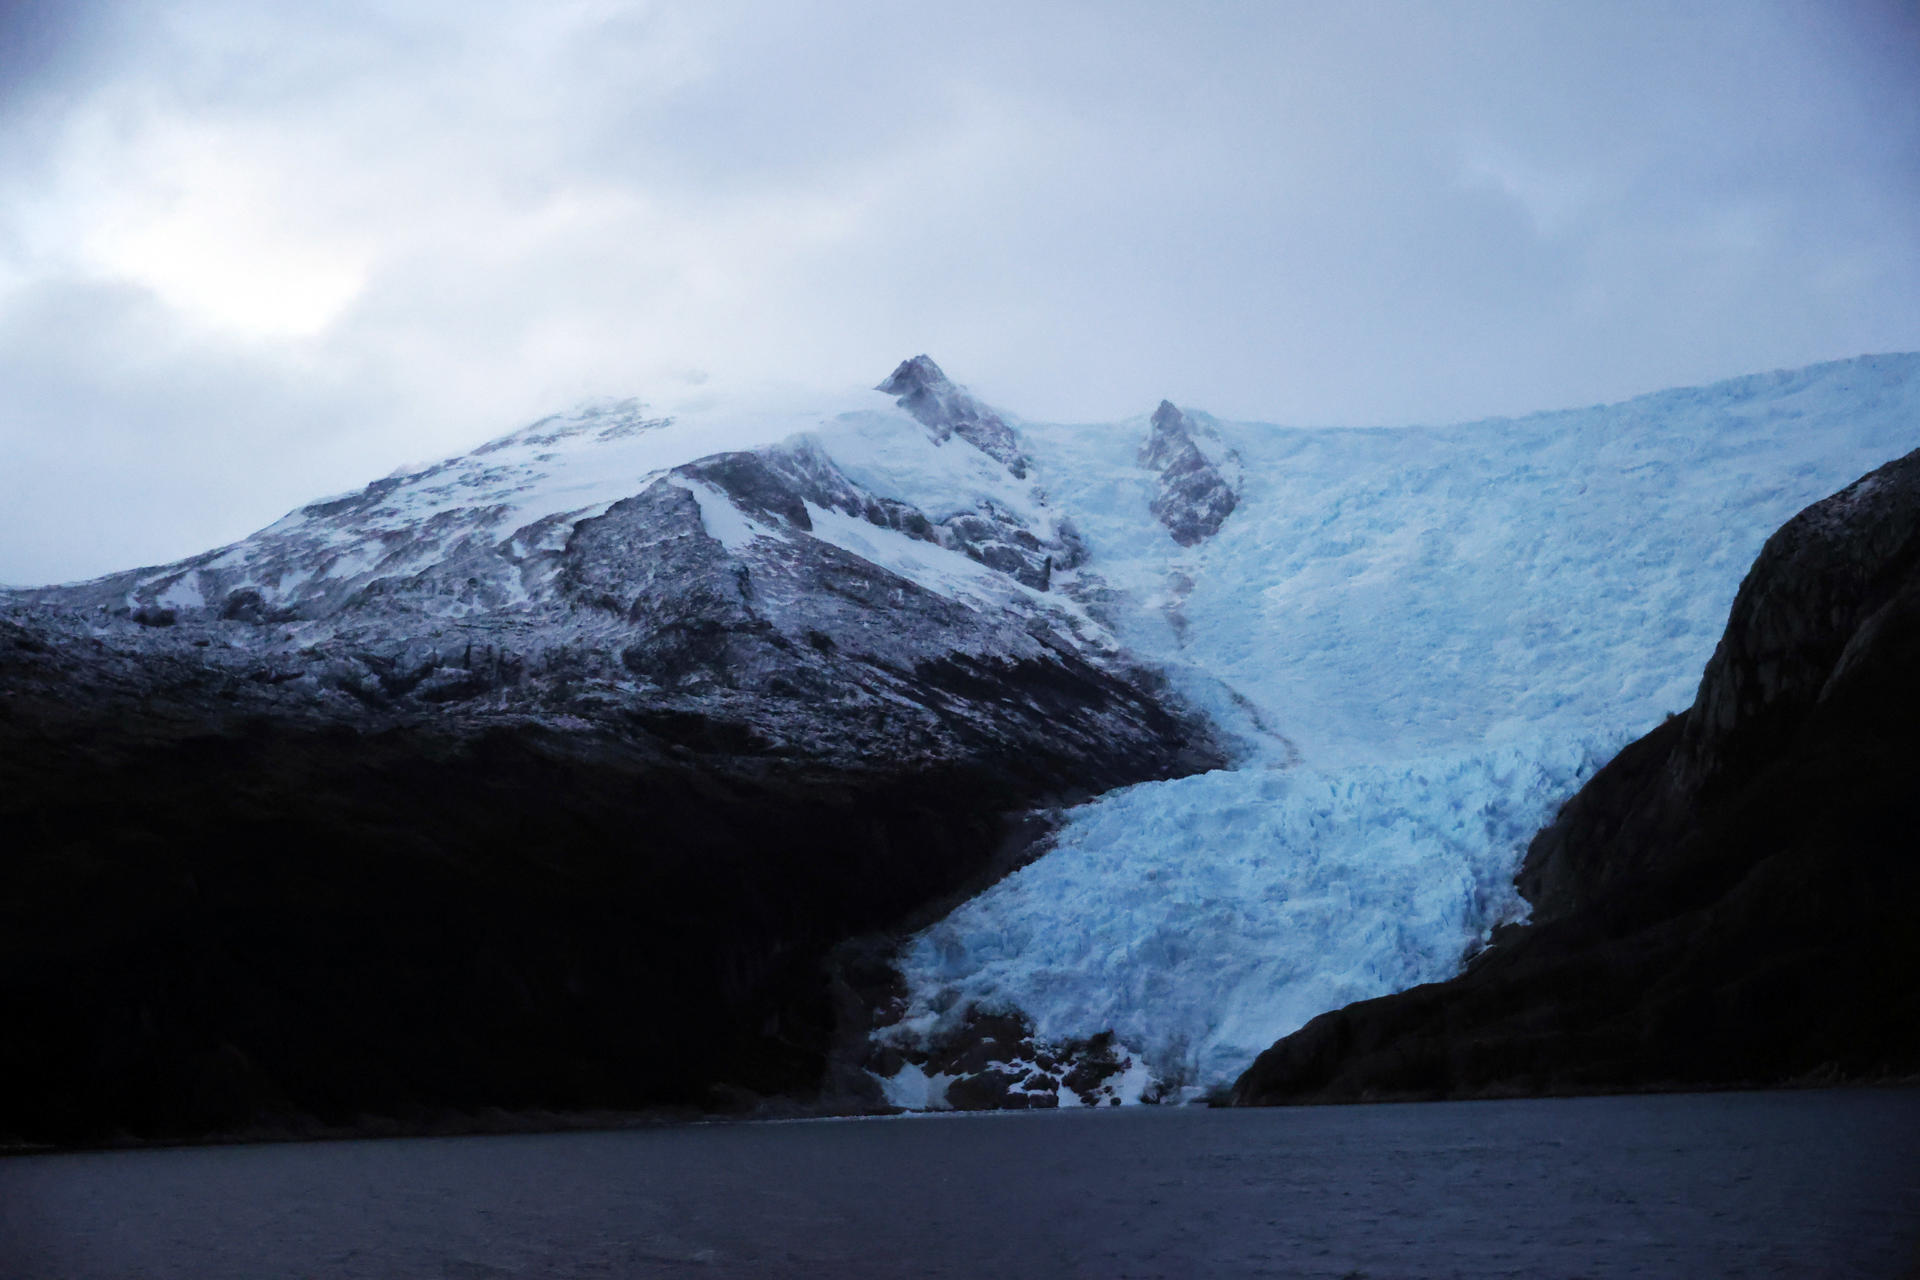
{"x": 253, "y": 253}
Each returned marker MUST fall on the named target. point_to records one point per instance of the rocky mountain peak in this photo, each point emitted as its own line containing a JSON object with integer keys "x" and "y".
{"x": 947, "y": 410}
{"x": 916, "y": 376}
{"x": 616, "y": 717}
{"x": 1196, "y": 492}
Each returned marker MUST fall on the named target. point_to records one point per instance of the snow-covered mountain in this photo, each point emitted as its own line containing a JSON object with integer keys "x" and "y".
{"x": 1408, "y": 644}
{"x": 544, "y": 776}
{"x": 624, "y": 552}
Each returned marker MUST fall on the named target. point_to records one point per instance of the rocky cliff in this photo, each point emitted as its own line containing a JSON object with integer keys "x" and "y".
{"x": 1194, "y": 492}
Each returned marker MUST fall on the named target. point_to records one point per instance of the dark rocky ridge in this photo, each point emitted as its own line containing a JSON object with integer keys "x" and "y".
{"x": 219, "y": 915}
{"x": 1731, "y": 900}
{"x": 947, "y": 410}
{"x": 1193, "y": 497}
{"x": 561, "y": 817}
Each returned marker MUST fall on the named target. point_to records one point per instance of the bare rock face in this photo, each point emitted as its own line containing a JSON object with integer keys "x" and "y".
{"x": 1823, "y": 593}
{"x": 1815, "y": 602}
{"x": 946, "y": 410}
{"x": 1195, "y": 494}
{"x": 1730, "y": 901}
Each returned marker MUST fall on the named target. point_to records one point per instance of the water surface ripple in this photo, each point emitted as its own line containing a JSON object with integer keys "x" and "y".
{"x": 1781, "y": 1184}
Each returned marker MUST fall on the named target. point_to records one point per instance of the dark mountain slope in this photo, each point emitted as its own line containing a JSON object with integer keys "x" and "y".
{"x": 1730, "y": 901}
{"x": 218, "y": 914}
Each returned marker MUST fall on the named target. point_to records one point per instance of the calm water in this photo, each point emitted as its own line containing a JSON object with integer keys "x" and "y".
{"x": 1801, "y": 1184}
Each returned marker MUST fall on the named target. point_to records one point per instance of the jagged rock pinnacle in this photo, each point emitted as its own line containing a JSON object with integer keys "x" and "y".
{"x": 1194, "y": 494}
{"x": 946, "y": 410}
{"x": 919, "y": 375}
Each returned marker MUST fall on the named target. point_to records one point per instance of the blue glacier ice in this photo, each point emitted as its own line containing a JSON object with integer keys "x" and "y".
{"x": 1425, "y": 639}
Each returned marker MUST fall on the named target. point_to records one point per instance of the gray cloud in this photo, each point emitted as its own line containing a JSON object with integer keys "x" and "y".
{"x": 44, "y": 43}
{"x": 259, "y": 248}
{"x": 126, "y": 443}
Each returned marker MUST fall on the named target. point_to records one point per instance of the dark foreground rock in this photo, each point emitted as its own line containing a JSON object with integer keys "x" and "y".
{"x": 217, "y": 915}
{"x": 1732, "y": 900}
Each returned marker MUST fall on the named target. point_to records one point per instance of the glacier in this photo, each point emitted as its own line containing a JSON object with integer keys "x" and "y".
{"x": 1414, "y": 642}
{"x": 1425, "y": 639}
{"x": 1194, "y": 917}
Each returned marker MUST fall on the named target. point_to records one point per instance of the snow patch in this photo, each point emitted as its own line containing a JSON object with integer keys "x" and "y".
{"x": 928, "y": 564}
{"x": 888, "y": 454}
{"x": 724, "y": 522}
{"x": 912, "y": 1088}
{"x": 1131, "y": 1085}
{"x": 183, "y": 593}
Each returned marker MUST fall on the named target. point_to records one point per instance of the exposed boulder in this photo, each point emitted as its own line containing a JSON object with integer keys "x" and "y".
{"x": 992, "y": 1061}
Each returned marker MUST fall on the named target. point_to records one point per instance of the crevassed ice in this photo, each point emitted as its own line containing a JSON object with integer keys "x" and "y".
{"x": 1201, "y": 919}
{"x": 1426, "y": 638}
